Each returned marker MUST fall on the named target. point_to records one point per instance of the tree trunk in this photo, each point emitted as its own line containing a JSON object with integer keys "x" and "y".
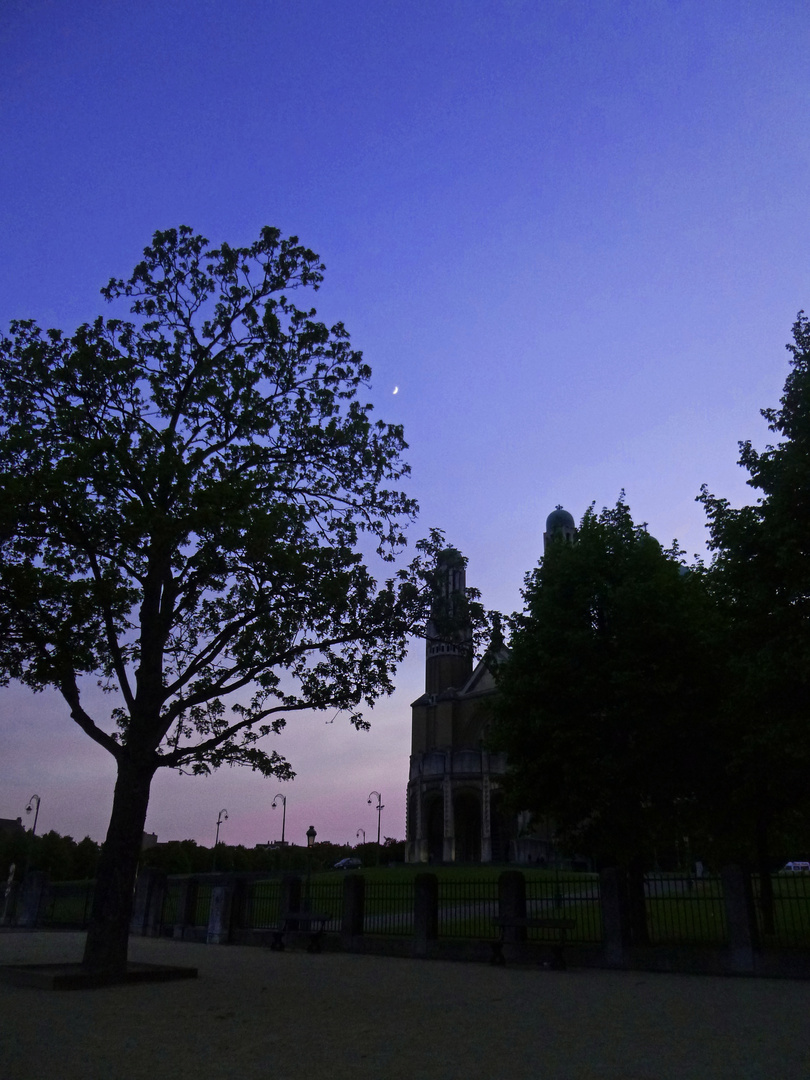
{"x": 108, "y": 935}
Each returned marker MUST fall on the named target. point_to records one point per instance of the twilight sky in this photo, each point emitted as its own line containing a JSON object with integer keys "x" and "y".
{"x": 574, "y": 235}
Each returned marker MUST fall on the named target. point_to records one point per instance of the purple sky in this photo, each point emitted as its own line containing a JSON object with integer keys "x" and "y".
{"x": 575, "y": 236}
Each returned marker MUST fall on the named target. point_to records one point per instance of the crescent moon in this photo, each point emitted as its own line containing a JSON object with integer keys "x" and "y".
{"x": 396, "y": 389}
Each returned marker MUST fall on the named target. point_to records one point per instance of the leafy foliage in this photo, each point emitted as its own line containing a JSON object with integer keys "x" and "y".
{"x": 604, "y": 699}
{"x": 760, "y": 579}
{"x": 189, "y": 497}
{"x": 60, "y": 857}
{"x": 185, "y": 498}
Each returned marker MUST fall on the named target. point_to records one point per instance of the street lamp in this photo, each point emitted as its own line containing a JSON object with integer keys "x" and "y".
{"x": 221, "y": 816}
{"x": 363, "y": 831}
{"x": 34, "y": 799}
{"x": 283, "y": 813}
{"x": 379, "y": 815}
{"x": 311, "y": 834}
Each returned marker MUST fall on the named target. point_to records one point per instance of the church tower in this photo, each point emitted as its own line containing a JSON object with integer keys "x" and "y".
{"x": 448, "y": 648}
{"x": 559, "y": 523}
{"x": 455, "y": 809}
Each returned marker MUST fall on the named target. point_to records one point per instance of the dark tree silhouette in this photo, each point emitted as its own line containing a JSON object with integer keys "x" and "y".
{"x": 604, "y": 701}
{"x": 760, "y": 577}
{"x": 189, "y": 497}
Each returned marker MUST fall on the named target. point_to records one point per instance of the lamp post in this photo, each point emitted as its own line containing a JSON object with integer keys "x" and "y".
{"x": 283, "y": 813}
{"x": 363, "y": 831}
{"x": 221, "y": 816}
{"x": 34, "y": 799}
{"x": 379, "y": 815}
{"x": 311, "y": 834}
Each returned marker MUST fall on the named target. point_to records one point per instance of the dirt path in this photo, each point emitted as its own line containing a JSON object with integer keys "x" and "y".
{"x": 292, "y": 1016}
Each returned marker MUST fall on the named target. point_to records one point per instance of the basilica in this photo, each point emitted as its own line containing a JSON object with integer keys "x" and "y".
{"x": 455, "y": 810}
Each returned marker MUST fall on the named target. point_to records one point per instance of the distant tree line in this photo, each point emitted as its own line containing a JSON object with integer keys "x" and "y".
{"x": 60, "y": 857}
{"x": 63, "y": 859}
{"x": 188, "y": 857}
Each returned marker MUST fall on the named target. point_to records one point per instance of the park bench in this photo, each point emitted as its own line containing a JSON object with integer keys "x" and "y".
{"x": 508, "y": 922}
{"x": 310, "y": 923}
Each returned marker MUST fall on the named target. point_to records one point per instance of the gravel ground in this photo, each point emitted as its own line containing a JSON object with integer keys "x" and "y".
{"x": 292, "y": 1016}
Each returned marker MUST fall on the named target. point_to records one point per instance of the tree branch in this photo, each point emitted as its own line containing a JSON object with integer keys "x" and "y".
{"x": 112, "y": 638}
{"x": 188, "y": 754}
{"x": 70, "y": 692}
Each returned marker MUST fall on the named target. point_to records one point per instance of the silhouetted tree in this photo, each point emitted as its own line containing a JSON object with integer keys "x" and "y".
{"x": 760, "y": 578}
{"x": 86, "y": 859}
{"x": 188, "y": 500}
{"x": 605, "y": 701}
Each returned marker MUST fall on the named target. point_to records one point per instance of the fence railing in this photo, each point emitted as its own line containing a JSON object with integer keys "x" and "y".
{"x": 389, "y": 908}
{"x": 679, "y": 909}
{"x": 202, "y": 907}
{"x": 787, "y": 925}
{"x": 67, "y": 904}
{"x": 467, "y": 908}
{"x": 170, "y": 913}
{"x": 569, "y": 896}
{"x": 324, "y": 897}
{"x": 264, "y": 905}
{"x": 683, "y": 910}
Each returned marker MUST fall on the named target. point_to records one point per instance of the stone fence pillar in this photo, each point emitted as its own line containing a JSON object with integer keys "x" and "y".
{"x": 219, "y": 917}
{"x": 30, "y": 898}
{"x": 186, "y": 914}
{"x": 512, "y": 904}
{"x": 615, "y": 916}
{"x": 9, "y": 901}
{"x": 741, "y": 918}
{"x": 290, "y": 894}
{"x": 150, "y": 891}
{"x": 425, "y": 912}
{"x": 240, "y": 904}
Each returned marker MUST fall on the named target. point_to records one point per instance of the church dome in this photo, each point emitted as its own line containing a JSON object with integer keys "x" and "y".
{"x": 559, "y": 520}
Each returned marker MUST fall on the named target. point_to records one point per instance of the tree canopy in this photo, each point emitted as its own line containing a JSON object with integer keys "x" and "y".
{"x": 190, "y": 493}
{"x": 607, "y": 685}
{"x": 645, "y": 700}
{"x": 760, "y": 581}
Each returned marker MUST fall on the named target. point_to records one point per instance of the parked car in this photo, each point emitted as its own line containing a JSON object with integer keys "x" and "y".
{"x": 349, "y": 864}
{"x": 796, "y": 868}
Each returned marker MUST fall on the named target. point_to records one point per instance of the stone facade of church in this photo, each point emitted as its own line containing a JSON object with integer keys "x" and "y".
{"x": 455, "y": 808}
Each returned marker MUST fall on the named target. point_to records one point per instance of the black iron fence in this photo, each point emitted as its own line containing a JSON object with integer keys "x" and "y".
{"x": 467, "y": 908}
{"x": 783, "y": 918}
{"x": 389, "y": 907}
{"x": 679, "y": 909}
{"x": 170, "y": 912}
{"x": 264, "y": 904}
{"x": 66, "y": 905}
{"x": 326, "y": 898}
{"x": 566, "y": 896}
{"x": 684, "y": 910}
